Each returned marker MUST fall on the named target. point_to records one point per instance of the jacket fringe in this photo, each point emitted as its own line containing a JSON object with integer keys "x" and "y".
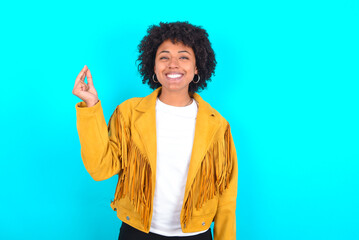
{"x": 134, "y": 167}
{"x": 213, "y": 176}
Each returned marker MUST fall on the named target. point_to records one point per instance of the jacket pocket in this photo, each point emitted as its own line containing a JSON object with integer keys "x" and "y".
{"x": 200, "y": 223}
{"x": 127, "y": 214}
{"x": 202, "y": 217}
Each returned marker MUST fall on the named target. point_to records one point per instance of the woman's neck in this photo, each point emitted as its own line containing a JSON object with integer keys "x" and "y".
{"x": 177, "y": 99}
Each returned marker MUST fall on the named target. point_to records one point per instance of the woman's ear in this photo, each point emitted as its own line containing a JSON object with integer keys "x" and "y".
{"x": 195, "y": 70}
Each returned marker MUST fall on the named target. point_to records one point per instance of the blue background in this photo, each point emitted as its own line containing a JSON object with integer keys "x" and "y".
{"x": 287, "y": 81}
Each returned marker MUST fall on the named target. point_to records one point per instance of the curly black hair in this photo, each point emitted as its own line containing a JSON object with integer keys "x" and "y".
{"x": 189, "y": 35}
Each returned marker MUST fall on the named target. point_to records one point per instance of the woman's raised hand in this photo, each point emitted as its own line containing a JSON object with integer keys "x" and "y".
{"x": 85, "y": 92}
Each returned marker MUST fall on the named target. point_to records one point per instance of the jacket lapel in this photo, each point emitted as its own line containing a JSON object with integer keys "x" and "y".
{"x": 146, "y": 127}
{"x": 206, "y": 127}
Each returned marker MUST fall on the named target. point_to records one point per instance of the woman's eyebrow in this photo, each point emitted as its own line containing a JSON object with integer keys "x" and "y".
{"x": 184, "y": 51}
{"x": 165, "y": 51}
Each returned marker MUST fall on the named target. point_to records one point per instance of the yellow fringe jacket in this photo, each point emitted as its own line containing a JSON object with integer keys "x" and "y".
{"x": 127, "y": 147}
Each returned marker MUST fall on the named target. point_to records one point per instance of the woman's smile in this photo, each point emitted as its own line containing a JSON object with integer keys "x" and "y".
{"x": 174, "y": 76}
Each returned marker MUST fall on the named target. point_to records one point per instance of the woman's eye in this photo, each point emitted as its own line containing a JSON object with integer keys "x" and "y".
{"x": 184, "y": 57}
{"x": 163, "y": 58}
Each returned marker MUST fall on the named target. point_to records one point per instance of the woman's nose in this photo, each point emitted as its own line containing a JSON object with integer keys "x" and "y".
{"x": 173, "y": 62}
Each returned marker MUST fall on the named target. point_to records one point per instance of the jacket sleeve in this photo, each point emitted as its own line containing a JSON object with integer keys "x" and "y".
{"x": 99, "y": 142}
{"x": 225, "y": 219}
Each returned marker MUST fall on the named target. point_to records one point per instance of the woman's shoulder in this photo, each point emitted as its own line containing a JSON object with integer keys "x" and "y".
{"x": 130, "y": 103}
{"x": 127, "y": 106}
{"x": 140, "y": 103}
{"x": 220, "y": 118}
{"x": 208, "y": 109}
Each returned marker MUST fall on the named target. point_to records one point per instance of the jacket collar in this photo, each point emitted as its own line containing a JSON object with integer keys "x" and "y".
{"x": 207, "y": 123}
{"x": 149, "y": 102}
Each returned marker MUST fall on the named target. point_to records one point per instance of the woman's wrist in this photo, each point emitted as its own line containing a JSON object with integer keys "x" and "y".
{"x": 92, "y": 103}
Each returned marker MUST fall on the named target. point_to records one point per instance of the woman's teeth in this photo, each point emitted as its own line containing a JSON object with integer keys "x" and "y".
{"x": 174, "y": 75}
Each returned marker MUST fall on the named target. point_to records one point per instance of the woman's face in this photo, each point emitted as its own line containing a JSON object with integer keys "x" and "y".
{"x": 175, "y": 66}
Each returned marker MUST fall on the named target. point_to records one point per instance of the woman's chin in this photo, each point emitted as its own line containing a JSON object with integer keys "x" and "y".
{"x": 174, "y": 86}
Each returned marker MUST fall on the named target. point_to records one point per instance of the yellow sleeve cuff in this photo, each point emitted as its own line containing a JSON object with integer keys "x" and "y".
{"x": 81, "y": 108}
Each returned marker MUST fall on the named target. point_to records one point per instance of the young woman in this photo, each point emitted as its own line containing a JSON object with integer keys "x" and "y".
{"x": 173, "y": 153}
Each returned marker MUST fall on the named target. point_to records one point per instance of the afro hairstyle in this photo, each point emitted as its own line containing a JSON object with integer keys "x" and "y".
{"x": 190, "y": 35}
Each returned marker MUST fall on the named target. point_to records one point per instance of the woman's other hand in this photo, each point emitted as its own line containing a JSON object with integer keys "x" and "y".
{"x": 85, "y": 92}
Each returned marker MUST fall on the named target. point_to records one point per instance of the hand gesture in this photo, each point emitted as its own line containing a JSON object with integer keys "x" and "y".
{"x": 85, "y": 92}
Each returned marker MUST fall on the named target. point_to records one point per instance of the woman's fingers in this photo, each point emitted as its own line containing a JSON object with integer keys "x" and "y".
{"x": 80, "y": 80}
{"x": 84, "y": 86}
{"x": 89, "y": 78}
{"x": 80, "y": 85}
{"x": 82, "y": 74}
{"x": 85, "y": 92}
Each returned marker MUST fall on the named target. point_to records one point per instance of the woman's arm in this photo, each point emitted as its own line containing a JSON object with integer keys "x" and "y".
{"x": 100, "y": 148}
{"x": 225, "y": 219}
{"x": 99, "y": 144}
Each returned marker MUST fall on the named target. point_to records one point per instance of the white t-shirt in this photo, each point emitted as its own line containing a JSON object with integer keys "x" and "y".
{"x": 175, "y": 128}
